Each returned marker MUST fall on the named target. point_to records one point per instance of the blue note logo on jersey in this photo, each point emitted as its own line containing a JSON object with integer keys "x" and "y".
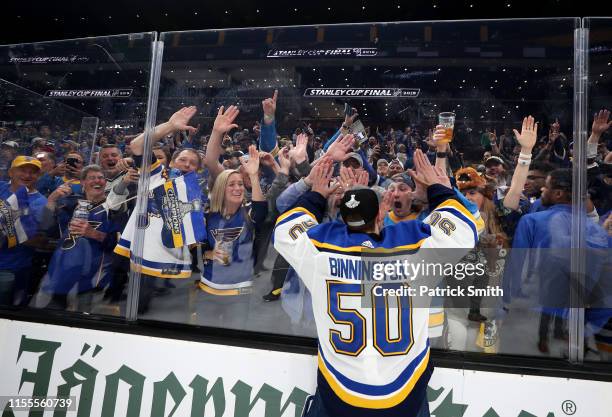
{"x": 71, "y": 239}
{"x": 179, "y": 203}
{"x": 227, "y": 235}
{"x": 225, "y": 239}
{"x": 16, "y": 223}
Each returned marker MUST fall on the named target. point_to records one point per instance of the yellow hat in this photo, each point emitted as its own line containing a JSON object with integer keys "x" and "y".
{"x": 22, "y": 160}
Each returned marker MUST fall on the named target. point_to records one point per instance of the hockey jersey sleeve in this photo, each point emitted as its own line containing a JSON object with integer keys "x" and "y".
{"x": 451, "y": 224}
{"x": 291, "y": 239}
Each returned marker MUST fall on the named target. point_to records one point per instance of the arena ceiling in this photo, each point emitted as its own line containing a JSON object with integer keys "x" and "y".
{"x": 28, "y": 21}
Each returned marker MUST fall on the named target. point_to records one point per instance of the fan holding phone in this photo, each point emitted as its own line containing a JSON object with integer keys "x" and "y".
{"x": 353, "y": 126}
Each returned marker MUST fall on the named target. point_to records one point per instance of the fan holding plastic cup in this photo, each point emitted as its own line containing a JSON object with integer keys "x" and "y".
{"x": 445, "y": 127}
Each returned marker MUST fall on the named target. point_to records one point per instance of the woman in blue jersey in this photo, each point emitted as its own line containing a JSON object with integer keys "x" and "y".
{"x": 231, "y": 224}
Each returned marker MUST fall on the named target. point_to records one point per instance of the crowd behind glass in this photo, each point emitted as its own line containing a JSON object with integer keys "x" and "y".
{"x": 74, "y": 201}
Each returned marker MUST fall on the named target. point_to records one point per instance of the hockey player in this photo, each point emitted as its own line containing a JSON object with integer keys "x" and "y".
{"x": 372, "y": 361}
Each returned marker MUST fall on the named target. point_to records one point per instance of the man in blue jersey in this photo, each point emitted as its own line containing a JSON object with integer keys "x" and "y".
{"x": 79, "y": 259}
{"x": 372, "y": 362}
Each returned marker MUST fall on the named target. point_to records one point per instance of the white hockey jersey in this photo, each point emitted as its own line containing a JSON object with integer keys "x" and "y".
{"x": 373, "y": 361}
{"x": 157, "y": 260}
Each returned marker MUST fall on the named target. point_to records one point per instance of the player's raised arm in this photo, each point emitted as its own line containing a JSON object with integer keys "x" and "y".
{"x": 290, "y": 238}
{"x": 451, "y": 225}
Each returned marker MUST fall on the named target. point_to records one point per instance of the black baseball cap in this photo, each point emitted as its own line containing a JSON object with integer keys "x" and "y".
{"x": 359, "y": 206}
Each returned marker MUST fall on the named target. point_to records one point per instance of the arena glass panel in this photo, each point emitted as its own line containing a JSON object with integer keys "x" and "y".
{"x": 598, "y": 185}
{"x": 396, "y": 78}
{"x": 68, "y": 112}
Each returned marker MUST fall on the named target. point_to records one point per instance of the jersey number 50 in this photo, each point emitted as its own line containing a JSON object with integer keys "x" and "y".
{"x": 383, "y": 342}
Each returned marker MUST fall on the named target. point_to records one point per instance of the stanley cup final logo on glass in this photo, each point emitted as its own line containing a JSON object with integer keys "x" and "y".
{"x": 322, "y": 52}
{"x": 224, "y": 240}
{"x": 82, "y": 94}
{"x": 363, "y": 92}
{"x": 67, "y": 59}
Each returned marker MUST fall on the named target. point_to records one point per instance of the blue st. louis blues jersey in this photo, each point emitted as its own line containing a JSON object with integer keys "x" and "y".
{"x": 78, "y": 260}
{"x": 235, "y": 235}
{"x": 373, "y": 360}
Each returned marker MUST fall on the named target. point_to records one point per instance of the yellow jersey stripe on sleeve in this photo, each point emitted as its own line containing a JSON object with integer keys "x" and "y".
{"x": 436, "y": 319}
{"x": 459, "y": 207}
{"x": 120, "y": 250}
{"x": 293, "y": 211}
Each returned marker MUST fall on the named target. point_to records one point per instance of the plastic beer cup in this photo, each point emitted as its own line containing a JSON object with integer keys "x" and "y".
{"x": 447, "y": 120}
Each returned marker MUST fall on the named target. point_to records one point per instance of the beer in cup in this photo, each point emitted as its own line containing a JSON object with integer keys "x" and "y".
{"x": 447, "y": 120}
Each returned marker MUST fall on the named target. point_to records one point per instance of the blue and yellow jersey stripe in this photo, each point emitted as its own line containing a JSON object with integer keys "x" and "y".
{"x": 292, "y": 214}
{"x": 159, "y": 273}
{"x": 216, "y": 291}
{"x": 436, "y": 319}
{"x": 177, "y": 236}
{"x": 155, "y": 269}
{"x": 363, "y": 395}
{"x": 457, "y": 209}
{"x": 156, "y": 167}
